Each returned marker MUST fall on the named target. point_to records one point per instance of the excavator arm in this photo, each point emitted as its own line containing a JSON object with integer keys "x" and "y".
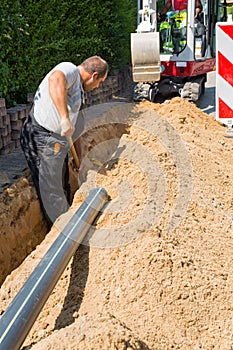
{"x": 145, "y": 45}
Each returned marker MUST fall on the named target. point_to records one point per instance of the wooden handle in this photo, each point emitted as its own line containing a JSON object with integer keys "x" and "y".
{"x": 73, "y": 151}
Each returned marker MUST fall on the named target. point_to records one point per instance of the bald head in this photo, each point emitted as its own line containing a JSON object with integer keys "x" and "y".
{"x": 95, "y": 64}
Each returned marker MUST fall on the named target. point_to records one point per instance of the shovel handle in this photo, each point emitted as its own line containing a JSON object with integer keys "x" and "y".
{"x": 73, "y": 151}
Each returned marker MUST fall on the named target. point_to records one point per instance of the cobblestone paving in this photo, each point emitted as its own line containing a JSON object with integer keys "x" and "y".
{"x": 12, "y": 166}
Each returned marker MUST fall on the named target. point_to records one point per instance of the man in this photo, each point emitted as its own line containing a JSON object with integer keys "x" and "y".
{"x": 53, "y": 118}
{"x": 179, "y": 5}
{"x": 173, "y": 33}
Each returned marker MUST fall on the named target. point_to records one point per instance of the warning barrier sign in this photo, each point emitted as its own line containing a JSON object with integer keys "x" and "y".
{"x": 224, "y": 73}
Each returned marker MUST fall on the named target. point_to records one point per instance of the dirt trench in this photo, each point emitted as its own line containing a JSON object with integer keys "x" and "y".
{"x": 155, "y": 271}
{"x": 22, "y": 223}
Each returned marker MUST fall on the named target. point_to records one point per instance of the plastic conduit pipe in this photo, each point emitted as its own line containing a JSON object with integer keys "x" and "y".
{"x": 21, "y": 314}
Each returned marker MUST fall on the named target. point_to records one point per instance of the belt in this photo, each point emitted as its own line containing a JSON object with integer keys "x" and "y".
{"x": 32, "y": 119}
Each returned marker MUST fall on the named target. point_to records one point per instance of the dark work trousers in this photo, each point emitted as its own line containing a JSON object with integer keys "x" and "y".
{"x": 47, "y": 157}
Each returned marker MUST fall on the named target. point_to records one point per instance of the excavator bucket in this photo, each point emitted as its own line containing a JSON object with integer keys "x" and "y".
{"x": 145, "y": 55}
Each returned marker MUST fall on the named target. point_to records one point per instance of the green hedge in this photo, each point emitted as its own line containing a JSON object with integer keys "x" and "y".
{"x": 36, "y": 35}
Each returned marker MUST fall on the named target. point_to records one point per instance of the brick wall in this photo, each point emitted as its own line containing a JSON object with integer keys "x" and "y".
{"x": 11, "y": 119}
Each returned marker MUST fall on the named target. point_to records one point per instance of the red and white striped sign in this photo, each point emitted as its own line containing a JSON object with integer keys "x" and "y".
{"x": 224, "y": 72}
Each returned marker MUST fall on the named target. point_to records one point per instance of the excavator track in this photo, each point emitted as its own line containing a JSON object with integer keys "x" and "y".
{"x": 193, "y": 90}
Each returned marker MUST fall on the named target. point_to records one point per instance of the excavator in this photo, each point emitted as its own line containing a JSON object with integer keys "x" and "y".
{"x": 174, "y": 54}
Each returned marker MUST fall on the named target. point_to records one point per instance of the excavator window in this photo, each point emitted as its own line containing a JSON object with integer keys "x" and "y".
{"x": 173, "y": 32}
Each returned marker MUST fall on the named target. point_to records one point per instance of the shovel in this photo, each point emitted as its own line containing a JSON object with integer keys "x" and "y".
{"x": 73, "y": 151}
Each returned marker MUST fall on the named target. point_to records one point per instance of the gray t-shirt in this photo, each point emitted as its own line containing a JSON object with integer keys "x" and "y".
{"x": 45, "y": 111}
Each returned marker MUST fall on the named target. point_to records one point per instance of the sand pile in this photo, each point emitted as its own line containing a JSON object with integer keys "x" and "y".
{"x": 156, "y": 270}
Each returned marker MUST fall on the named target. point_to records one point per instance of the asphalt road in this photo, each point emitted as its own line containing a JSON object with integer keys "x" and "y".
{"x": 207, "y": 101}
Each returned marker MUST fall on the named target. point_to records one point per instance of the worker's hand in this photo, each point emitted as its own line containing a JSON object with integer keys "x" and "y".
{"x": 67, "y": 128}
{"x": 73, "y": 165}
{"x": 159, "y": 16}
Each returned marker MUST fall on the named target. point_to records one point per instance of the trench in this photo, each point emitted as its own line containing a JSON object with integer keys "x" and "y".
{"x": 22, "y": 223}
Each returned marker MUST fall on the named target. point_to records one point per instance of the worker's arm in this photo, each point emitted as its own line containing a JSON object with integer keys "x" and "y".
{"x": 58, "y": 93}
{"x": 198, "y": 8}
{"x": 164, "y": 10}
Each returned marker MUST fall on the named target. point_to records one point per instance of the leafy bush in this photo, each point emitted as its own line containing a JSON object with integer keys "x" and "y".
{"x": 13, "y": 32}
{"x": 36, "y": 35}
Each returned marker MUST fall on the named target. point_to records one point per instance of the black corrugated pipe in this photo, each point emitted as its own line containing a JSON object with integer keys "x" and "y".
{"x": 21, "y": 314}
